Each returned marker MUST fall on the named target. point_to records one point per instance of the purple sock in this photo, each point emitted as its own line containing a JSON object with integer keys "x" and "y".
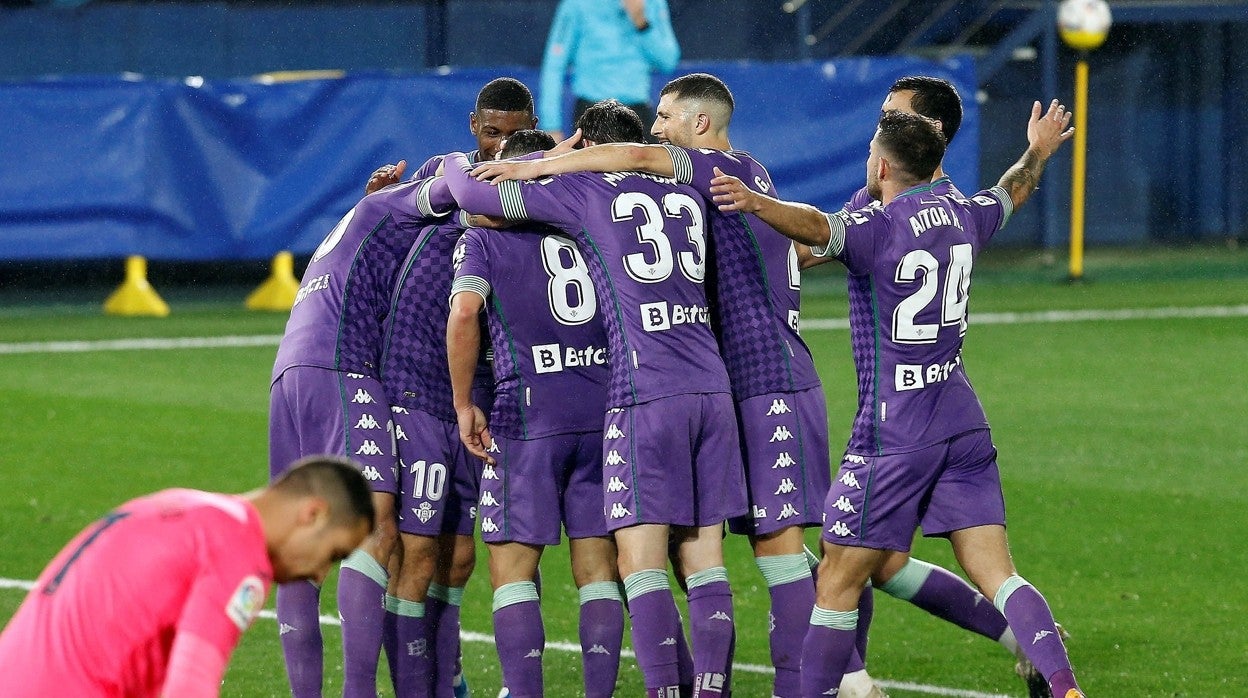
{"x": 946, "y": 595}
{"x": 656, "y": 625}
{"x": 790, "y": 616}
{"x": 442, "y": 611}
{"x": 711, "y": 630}
{"x": 519, "y": 638}
{"x": 390, "y": 636}
{"x": 361, "y": 605}
{"x": 684, "y": 662}
{"x": 1032, "y": 623}
{"x": 414, "y": 675}
{"x": 602, "y": 634}
{"x": 826, "y": 650}
{"x": 866, "y": 609}
{"x": 299, "y": 623}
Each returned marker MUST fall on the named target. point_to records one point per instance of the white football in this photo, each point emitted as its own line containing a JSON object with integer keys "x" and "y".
{"x": 1084, "y": 24}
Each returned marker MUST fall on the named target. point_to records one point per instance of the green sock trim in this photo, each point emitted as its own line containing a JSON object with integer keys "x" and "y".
{"x": 455, "y": 596}
{"x": 783, "y": 569}
{"x": 437, "y": 591}
{"x": 710, "y": 575}
{"x": 595, "y": 591}
{"x": 1012, "y": 584}
{"x": 410, "y": 609}
{"x": 837, "y": 620}
{"x": 364, "y": 563}
{"x": 514, "y": 593}
{"x": 906, "y": 583}
{"x": 646, "y": 581}
{"x": 391, "y": 604}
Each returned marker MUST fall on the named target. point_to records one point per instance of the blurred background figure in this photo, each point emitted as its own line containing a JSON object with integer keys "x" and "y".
{"x": 611, "y": 48}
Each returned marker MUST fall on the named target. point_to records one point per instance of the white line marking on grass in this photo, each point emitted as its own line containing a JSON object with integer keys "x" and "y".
{"x": 140, "y": 344}
{"x": 1067, "y": 316}
{"x": 469, "y": 636}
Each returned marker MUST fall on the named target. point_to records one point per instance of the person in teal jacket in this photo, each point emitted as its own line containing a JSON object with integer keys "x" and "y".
{"x": 610, "y": 47}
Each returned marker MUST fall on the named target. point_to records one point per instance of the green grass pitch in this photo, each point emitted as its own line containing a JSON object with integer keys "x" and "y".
{"x": 1124, "y": 456}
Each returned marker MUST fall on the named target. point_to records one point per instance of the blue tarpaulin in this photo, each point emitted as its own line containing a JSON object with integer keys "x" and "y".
{"x": 240, "y": 169}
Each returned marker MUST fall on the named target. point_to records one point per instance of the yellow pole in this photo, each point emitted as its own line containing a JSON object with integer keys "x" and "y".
{"x": 1079, "y": 169}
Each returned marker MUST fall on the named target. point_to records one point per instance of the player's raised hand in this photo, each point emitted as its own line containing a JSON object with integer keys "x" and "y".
{"x": 474, "y": 432}
{"x": 384, "y": 176}
{"x": 731, "y": 194}
{"x": 1046, "y": 132}
{"x": 504, "y": 170}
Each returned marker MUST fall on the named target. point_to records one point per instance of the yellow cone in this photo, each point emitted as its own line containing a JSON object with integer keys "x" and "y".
{"x": 277, "y": 293}
{"x": 135, "y": 296}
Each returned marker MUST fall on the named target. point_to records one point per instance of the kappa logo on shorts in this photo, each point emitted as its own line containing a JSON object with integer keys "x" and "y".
{"x": 840, "y": 529}
{"x": 842, "y": 502}
{"x": 760, "y": 512}
{"x": 613, "y": 432}
{"x": 493, "y": 447}
{"x": 618, "y": 511}
{"x": 615, "y": 484}
{"x": 367, "y": 422}
{"x": 788, "y": 512}
{"x": 371, "y": 474}
{"x": 778, "y": 407}
{"x": 781, "y": 433}
{"x": 369, "y": 448}
{"x": 399, "y": 410}
{"x": 488, "y": 525}
{"x": 856, "y": 460}
{"x": 425, "y": 512}
{"x": 487, "y": 473}
{"x": 487, "y": 499}
{"x": 614, "y": 458}
{"x": 786, "y": 486}
{"x": 784, "y": 460}
{"x": 399, "y": 434}
{"x": 356, "y": 376}
{"x": 362, "y": 397}
{"x": 848, "y": 479}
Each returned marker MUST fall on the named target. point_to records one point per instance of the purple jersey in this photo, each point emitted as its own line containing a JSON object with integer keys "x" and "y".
{"x": 755, "y": 285}
{"x": 909, "y": 283}
{"x": 941, "y": 185}
{"x": 430, "y": 166}
{"x": 550, "y": 346}
{"x": 414, "y": 370}
{"x": 336, "y": 321}
{"x": 644, "y": 240}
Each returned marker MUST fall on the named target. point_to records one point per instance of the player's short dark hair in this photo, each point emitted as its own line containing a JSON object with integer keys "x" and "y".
{"x": 505, "y": 94}
{"x": 913, "y": 143}
{"x": 609, "y": 121}
{"x": 530, "y": 140}
{"x": 935, "y": 98}
{"x": 700, "y": 86}
{"x": 337, "y": 480}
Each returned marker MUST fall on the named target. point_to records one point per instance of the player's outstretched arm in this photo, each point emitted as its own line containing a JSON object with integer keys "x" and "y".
{"x": 384, "y": 176}
{"x": 802, "y": 222}
{"x": 463, "y": 347}
{"x": 609, "y": 157}
{"x": 471, "y": 195}
{"x": 1045, "y": 134}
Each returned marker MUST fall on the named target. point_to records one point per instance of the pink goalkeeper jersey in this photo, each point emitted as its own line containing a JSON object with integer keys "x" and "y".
{"x": 102, "y": 618}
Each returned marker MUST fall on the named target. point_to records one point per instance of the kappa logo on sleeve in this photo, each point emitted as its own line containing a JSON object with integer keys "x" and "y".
{"x": 246, "y": 601}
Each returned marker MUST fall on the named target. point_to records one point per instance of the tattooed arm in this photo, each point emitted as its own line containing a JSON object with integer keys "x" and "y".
{"x": 1045, "y": 134}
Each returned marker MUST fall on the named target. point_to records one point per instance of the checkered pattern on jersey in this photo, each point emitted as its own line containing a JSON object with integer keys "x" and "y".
{"x": 366, "y": 295}
{"x": 414, "y": 368}
{"x": 507, "y": 417}
{"x": 864, "y": 335}
{"x": 750, "y": 338}
{"x": 620, "y": 389}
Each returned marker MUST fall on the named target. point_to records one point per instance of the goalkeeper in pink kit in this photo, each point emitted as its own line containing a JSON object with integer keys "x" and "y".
{"x": 151, "y": 599}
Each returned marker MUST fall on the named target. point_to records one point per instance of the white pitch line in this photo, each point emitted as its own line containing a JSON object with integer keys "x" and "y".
{"x": 469, "y": 636}
{"x": 235, "y": 341}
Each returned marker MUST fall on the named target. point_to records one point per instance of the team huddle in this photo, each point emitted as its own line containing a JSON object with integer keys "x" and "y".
{"x": 603, "y": 342}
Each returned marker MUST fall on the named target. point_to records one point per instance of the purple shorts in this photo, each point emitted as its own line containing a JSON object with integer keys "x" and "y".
{"x": 675, "y": 460}
{"x": 320, "y": 411}
{"x": 784, "y": 437}
{"x": 438, "y": 479}
{"x": 540, "y": 484}
{"x": 879, "y": 501}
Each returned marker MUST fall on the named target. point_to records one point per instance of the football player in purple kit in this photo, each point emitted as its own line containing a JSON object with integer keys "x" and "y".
{"x": 755, "y": 289}
{"x": 920, "y": 451}
{"x": 326, "y": 398}
{"x": 544, "y": 465}
{"x": 671, "y": 454}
